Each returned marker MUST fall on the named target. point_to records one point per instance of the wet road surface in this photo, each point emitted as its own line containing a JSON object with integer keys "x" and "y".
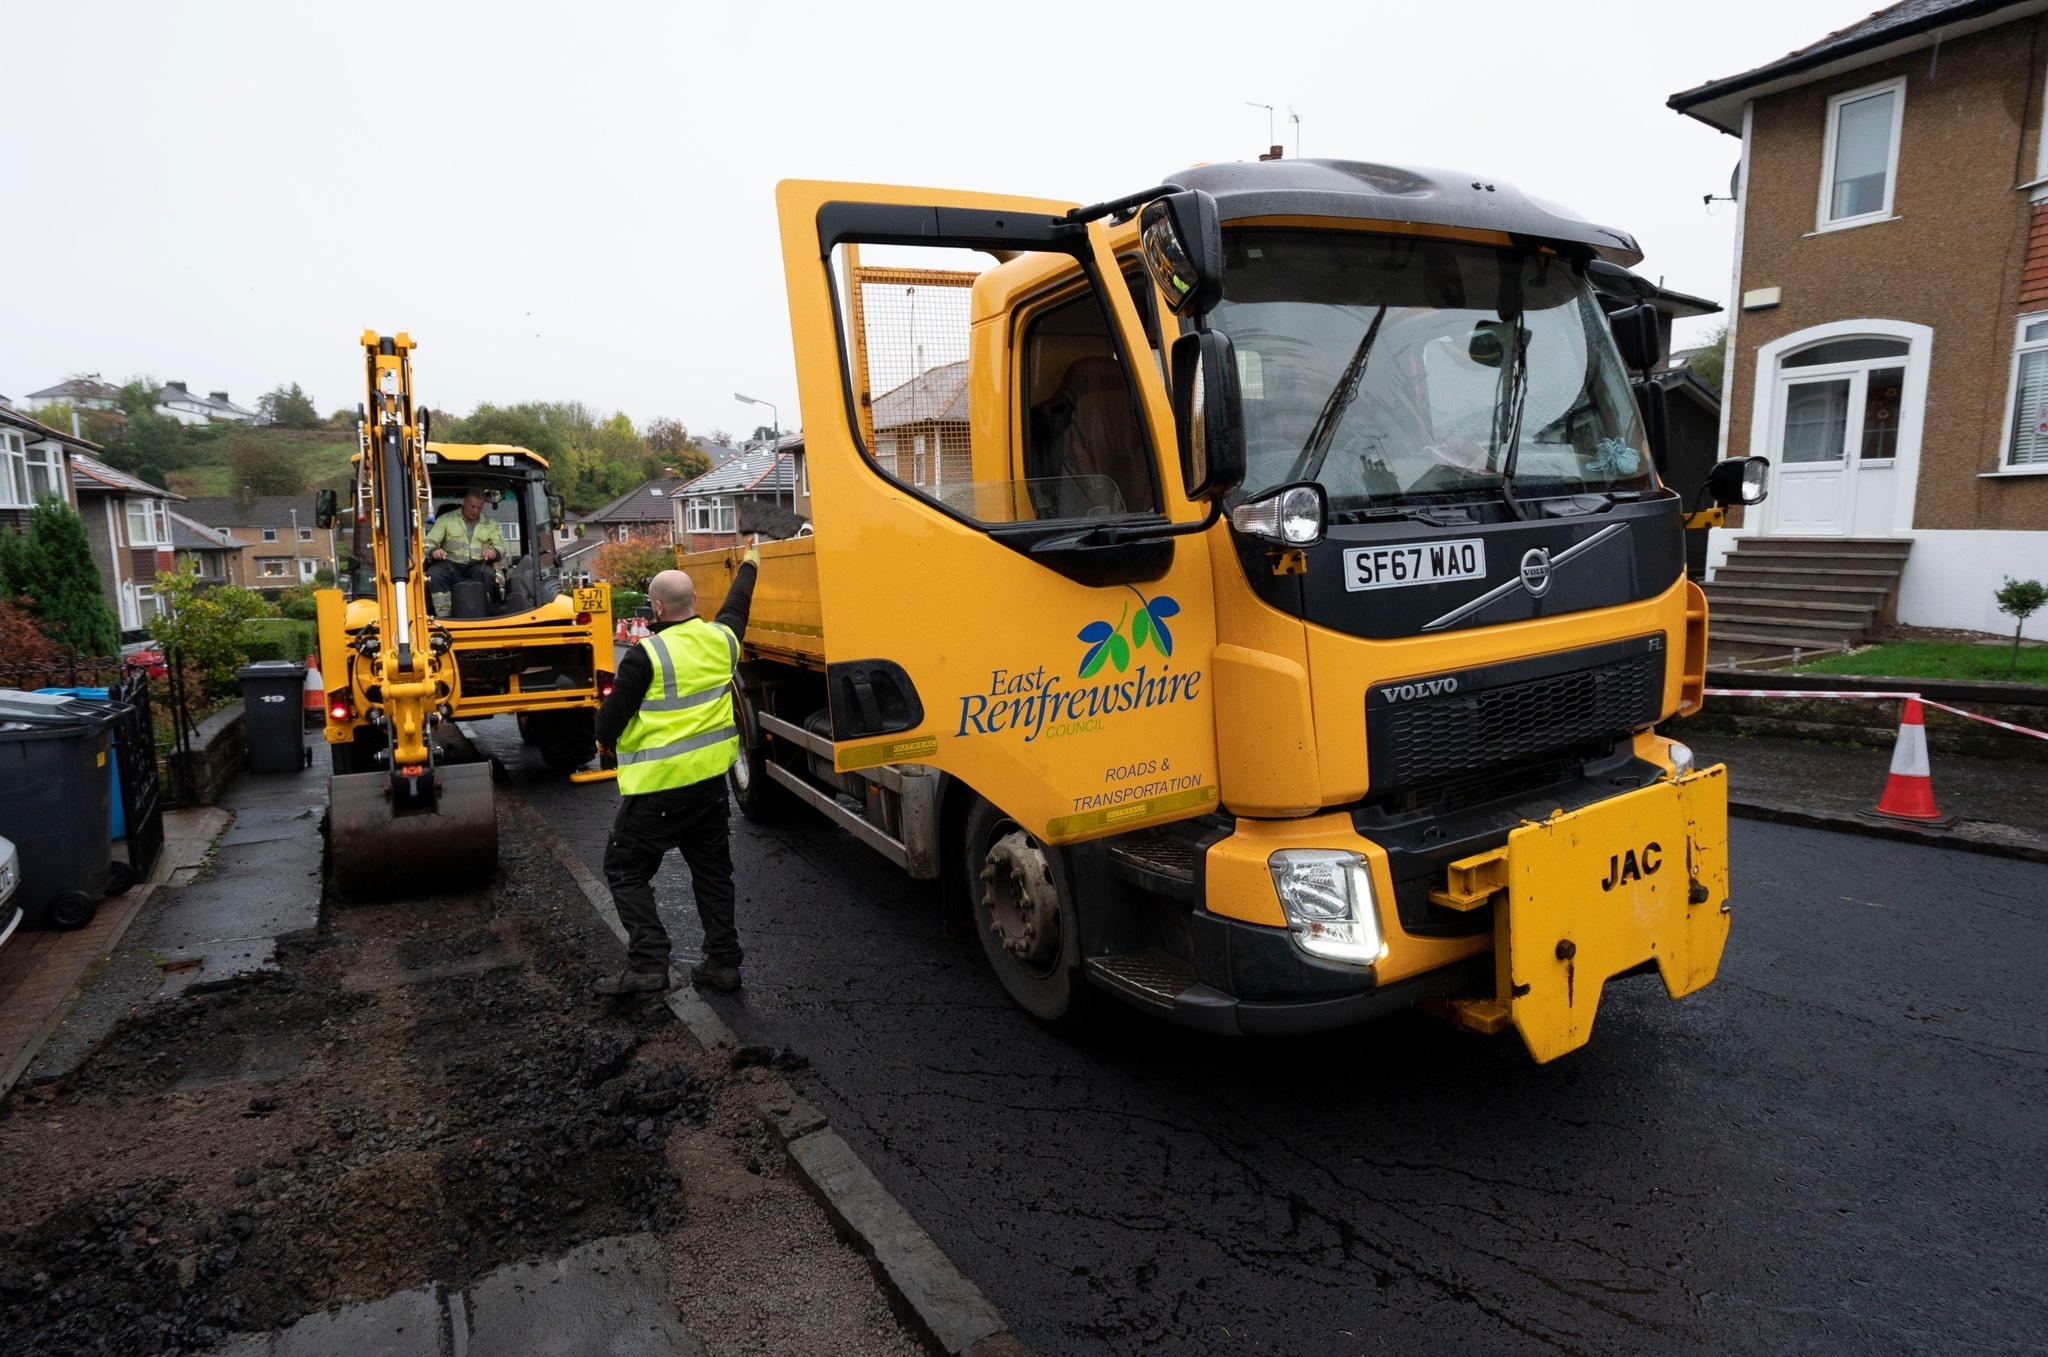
{"x": 1837, "y": 1147}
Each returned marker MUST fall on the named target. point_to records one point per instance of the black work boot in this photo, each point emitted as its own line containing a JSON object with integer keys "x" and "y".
{"x": 716, "y": 975}
{"x": 632, "y": 982}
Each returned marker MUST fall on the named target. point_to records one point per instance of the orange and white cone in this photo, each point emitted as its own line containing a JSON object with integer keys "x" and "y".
{"x": 640, "y": 630}
{"x": 315, "y": 698}
{"x": 623, "y": 633}
{"x": 1909, "y": 792}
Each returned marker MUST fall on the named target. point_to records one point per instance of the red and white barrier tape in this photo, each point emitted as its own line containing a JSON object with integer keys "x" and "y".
{"x": 1886, "y": 697}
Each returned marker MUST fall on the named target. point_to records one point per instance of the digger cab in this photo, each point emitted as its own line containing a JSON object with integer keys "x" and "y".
{"x": 517, "y": 498}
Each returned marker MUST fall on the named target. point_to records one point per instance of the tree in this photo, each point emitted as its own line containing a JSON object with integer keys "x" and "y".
{"x": 263, "y": 466}
{"x": 2020, "y": 599}
{"x": 630, "y": 564}
{"x": 763, "y": 433}
{"x": 58, "y": 573}
{"x": 288, "y": 407}
{"x": 667, "y": 436}
{"x": 205, "y": 629}
{"x": 1709, "y": 362}
{"x": 345, "y": 418}
{"x": 692, "y": 462}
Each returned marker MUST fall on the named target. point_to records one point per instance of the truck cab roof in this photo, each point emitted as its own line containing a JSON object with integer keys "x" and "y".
{"x": 1397, "y": 193}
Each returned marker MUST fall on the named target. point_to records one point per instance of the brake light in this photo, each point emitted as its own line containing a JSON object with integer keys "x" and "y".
{"x": 340, "y": 710}
{"x": 604, "y": 687}
{"x": 582, "y": 619}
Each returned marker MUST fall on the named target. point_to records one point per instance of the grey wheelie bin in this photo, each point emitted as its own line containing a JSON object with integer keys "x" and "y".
{"x": 54, "y": 789}
{"x": 273, "y": 706}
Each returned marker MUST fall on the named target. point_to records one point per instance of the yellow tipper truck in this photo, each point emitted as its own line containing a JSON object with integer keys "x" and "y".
{"x": 1257, "y": 595}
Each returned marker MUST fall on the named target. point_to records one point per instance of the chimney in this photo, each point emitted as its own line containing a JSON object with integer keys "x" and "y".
{"x": 1273, "y": 154}
{"x": 220, "y": 396}
{"x": 175, "y": 386}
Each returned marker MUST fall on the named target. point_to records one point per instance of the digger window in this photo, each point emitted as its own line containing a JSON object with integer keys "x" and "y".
{"x": 995, "y": 424}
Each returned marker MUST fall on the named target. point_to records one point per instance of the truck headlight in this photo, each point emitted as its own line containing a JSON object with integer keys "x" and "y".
{"x": 1327, "y": 896}
{"x": 1681, "y": 759}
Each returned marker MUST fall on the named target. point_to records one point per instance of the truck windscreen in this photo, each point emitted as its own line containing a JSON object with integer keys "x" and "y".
{"x": 1384, "y": 367}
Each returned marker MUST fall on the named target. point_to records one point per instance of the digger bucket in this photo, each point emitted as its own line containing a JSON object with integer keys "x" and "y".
{"x": 376, "y": 849}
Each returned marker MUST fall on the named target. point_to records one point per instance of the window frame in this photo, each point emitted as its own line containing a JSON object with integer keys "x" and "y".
{"x": 14, "y": 470}
{"x": 50, "y": 458}
{"x": 2021, "y": 347}
{"x": 270, "y": 534}
{"x": 1020, "y": 535}
{"x": 282, "y": 572}
{"x": 1830, "y": 138}
{"x": 155, "y": 523}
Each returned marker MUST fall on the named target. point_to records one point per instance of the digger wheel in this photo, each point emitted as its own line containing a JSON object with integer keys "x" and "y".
{"x": 566, "y": 739}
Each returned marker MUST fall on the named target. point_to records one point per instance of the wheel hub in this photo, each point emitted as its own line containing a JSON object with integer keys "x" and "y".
{"x": 1023, "y": 907}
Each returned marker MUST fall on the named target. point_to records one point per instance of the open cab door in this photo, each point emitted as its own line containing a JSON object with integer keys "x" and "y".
{"x": 1011, "y": 590}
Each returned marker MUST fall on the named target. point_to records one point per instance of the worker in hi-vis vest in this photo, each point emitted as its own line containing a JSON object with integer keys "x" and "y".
{"x": 670, "y": 719}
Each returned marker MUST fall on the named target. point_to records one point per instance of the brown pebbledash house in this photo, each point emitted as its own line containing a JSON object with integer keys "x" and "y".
{"x": 1889, "y": 333}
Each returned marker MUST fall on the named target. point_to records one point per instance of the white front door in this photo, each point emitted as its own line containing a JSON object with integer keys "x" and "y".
{"x": 1835, "y": 423}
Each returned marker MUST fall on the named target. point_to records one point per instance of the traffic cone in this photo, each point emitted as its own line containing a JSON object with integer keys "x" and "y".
{"x": 315, "y": 699}
{"x": 623, "y": 633}
{"x": 1909, "y": 792}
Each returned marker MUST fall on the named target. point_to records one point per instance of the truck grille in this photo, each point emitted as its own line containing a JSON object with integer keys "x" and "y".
{"x": 1504, "y": 714}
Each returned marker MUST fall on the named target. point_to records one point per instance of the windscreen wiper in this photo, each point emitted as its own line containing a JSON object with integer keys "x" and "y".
{"x": 1325, "y": 431}
{"x": 1518, "y": 377}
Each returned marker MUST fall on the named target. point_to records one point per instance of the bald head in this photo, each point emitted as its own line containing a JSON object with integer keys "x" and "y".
{"x": 673, "y": 596}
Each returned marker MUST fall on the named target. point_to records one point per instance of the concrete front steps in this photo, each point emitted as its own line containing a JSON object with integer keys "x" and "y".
{"x": 1776, "y": 595}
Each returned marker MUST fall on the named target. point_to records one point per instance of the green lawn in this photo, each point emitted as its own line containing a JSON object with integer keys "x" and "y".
{"x": 1925, "y": 659}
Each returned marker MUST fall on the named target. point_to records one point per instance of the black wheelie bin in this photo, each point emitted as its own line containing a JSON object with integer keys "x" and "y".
{"x": 54, "y": 789}
{"x": 273, "y": 706}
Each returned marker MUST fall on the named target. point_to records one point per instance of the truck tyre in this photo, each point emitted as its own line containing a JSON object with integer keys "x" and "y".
{"x": 760, "y": 797}
{"x": 1022, "y": 904}
{"x": 567, "y": 739}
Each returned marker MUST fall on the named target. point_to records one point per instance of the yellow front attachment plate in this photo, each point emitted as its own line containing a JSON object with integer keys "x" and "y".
{"x": 1642, "y": 877}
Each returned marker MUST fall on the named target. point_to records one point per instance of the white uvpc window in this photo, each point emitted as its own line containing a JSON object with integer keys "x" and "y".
{"x": 13, "y": 471}
{"x": 2027, "y": 444}
{"x": 45, "y": 476}
{"x": 1862, "y": 160}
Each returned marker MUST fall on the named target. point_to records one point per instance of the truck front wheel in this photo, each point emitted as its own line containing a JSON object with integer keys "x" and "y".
{"x": 1023, "y": 910}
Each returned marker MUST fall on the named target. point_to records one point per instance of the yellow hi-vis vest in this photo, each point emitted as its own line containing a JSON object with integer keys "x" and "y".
{"x": 684, "y": 731}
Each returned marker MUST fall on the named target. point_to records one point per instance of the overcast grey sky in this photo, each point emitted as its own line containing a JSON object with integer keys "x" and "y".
{"x": 577, "y": 201}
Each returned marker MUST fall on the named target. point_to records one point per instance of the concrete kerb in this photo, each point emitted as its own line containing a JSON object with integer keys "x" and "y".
{"x": 1966, "y": 836}
{"x": 946, "y": 1309}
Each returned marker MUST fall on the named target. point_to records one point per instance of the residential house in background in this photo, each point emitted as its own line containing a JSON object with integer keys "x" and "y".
{"x": 188, "y": 407}
{"x": 90, "y": 392}
{"x": 214, "y": 554}
{"x": 646, "y": 513}
{"x": 34, "y": 461}
{"x": 128, "y": 522}
{"x": 921, "y": 429}
{"x": 764, "y": 492}
{"x": 1889, "y": 346}
{"x": 277, "y": 551}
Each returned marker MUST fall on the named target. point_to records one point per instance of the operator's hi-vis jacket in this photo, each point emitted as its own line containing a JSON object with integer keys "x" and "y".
{"x": 670, "y": 714}
{"x": 463, "y": 541}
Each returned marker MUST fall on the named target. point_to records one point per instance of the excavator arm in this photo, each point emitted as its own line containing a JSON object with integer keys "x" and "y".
{"x": 417, "y": 817}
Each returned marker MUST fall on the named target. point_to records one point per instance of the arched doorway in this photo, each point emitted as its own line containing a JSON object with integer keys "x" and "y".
{"x": 1841, "y": 406}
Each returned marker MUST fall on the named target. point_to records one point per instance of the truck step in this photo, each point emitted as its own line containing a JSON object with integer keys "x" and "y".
{"x": 1155, "y": 860}
{"x": 1152, "y": 975}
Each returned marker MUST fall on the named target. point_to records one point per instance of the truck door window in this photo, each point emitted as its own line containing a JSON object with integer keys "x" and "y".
{"x": 994, "y": 389}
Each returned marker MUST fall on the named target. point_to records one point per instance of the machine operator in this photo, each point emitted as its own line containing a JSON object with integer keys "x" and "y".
{"x": 670, "y": 719}
{"x": 462, "y": 546}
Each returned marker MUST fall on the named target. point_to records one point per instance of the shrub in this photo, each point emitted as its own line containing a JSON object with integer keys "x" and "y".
{"x": 206, "y": 628}
{"x": 54, "y": 567}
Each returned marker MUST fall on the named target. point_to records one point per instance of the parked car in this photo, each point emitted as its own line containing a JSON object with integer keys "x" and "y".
{"x": 10, "y": 879}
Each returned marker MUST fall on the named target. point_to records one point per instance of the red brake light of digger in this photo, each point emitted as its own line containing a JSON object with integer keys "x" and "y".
{"x": 340, "y": 710}
{"x": 582, "y": 619}
{"x": 604, "y": 688}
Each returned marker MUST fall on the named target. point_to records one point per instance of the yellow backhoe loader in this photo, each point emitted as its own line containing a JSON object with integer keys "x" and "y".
{"x": 402, "y": 658}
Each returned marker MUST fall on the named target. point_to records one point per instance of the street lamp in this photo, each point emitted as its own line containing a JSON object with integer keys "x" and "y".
{"x": 774, "y": 466}
{"x": 298, "y": 571}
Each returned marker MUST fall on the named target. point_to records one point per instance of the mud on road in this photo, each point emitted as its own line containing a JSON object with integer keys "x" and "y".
{"x": 423, "y": 1091}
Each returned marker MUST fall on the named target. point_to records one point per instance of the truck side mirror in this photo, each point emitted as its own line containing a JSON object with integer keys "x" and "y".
{"x": 1655, "y": 403}
{"x": 1639, "y": 334}
{"x": 1208, "y": 414}
{"x": 325, "y": 508}
{"x": 1181, "y": 236}
{"x": 556, "y": 514}
{"x": 1740, "y": 480}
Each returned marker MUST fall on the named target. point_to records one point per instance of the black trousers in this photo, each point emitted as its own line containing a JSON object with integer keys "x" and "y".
{"x": 443, "y": 576}
{"x": 691, "y": 820}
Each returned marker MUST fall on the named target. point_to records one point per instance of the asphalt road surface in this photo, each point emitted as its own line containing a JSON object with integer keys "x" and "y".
{"x": 1837, "y": 1147}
